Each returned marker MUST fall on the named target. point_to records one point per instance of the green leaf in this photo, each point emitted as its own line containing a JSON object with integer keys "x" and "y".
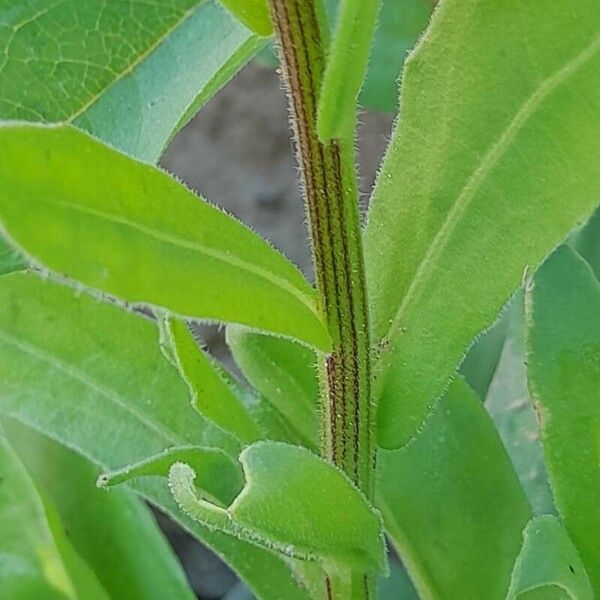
{"x": 114, "y": 532}
{"x": 400, "y": 24}
{"x": 254, "y": 13}
{"x": 284, "y": 372}
{"x": 586, "y": 242}
{"x": 482, "y": 358}
{"x": 511, "y": 408}
{"x": 212, "y": 396}
{"x": 496, "y": 129}
{"x": 37, "y": 558}
{"x": 294, "y": 503}
{"x": 124, "y": 71}
{"x": 218, "y": 476}
{"x": 88, "y": 373}
{"x": 564, "y": 373}
{"x": 549, "y": 564}
{"x": 346, "y": 65}
{"x": 452, "y": 504}
{"x": 141, "y": 112}
{"x": 131, "y": 231}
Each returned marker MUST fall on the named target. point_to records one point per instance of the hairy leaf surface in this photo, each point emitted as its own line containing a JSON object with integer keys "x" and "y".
{"x": 497, "y": 127}
{"x": 564, "y": 375}
{"x": 452, "y": 503}
{"x": 295, "y": 503}
{"x": 131, "y": 231}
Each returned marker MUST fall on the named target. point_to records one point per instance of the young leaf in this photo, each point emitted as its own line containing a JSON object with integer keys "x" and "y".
{"x": 254, "y": 13}
{"x": 284, "y": 373}
{"x": 401, "y": 22}
{"x": 295, "y": 503}
{"x": 346, "y": 65}
{"x": 211, "y": 395}
{"x": 452, "y": 504}
{"x": 564, "y": 375}
{"x": 131, "y": 231}
{"x": 512, "y": 411}
{"x": 87, "y": 373}
{"x": 124, "y": 71}
{"x": 37, "y": 559}
{"x": 219, "y": 477}
{"x": 496, "y": 127}
{"x": 549, "y": 565}
{"x": 114, "y": 533}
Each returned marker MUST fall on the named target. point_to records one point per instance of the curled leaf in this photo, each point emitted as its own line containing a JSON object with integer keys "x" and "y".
{"x": 294, "y": 503}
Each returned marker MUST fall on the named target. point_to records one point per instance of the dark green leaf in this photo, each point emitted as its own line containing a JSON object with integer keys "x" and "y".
{"x": 549, "y": 565}
{"x": 37, "y": 561}
{"x": 452, "y": 503}
{"x": 114, "y": 532}
{"x": 564, "y": 374}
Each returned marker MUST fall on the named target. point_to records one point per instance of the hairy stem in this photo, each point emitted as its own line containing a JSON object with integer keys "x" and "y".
{"x": 330, "y": 190}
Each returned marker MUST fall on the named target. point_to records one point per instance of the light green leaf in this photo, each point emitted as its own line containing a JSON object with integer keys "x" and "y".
{"x": 496, "y": 129}
{"x": 294, "y": 503}
{"x": 88, "y": 373}
{"x": 284, "y": 373}
{"x": 548, "y": 564}
{"x": 219, "y": 477}
{"x": 254, "y": 13}
{"x": 347, "y": 59}
{"x": 564, "y": 374}
{"x": 125, "y": 71}
{"x": 511, "y": 408}
{"x": 114, "y": 532}
{"x": 37, "y": 560}
{"x": 586, "y": 242}
{"x": 212, "y": 396}
{"x": 131, "y": 231}
{"x": 452, "y": 503}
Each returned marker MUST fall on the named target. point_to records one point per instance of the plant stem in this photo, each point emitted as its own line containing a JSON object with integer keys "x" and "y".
{"x": 330, "y": 191}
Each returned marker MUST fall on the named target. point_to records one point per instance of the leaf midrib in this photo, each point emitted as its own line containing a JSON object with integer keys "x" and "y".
{"x": 473, "y": 183}
{"x": 160, "y": 236}
{"x": 134, "y": 64}
{"x": 91, "y": 384}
